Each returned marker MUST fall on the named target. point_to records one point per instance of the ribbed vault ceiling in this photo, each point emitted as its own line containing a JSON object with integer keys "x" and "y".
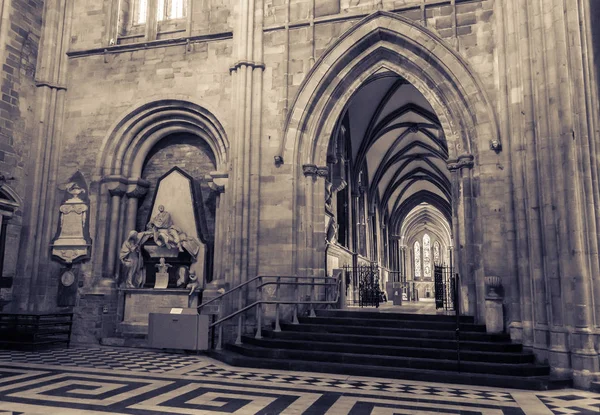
{"x": 398, "y": 141}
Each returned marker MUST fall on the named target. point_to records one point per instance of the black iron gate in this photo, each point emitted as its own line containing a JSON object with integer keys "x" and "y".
{"x": 362, "y": 285}
{"x": 445, "y": 287}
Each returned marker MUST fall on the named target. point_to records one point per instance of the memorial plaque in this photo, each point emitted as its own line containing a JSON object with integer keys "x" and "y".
{"x": 72, "y": 242}
{"x": 162, "y": 280}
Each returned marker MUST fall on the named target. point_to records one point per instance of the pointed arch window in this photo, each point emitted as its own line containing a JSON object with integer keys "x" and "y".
{"x": 436, "y": 253}
{"x": 143, "y": 20}
{"x": 417, "y": 249}
{"x": 140, "y": 12}
{"x": 426, "y": 256}
{"x": 171, "y": 9}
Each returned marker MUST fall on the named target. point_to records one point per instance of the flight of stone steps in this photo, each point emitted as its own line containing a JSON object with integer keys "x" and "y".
{"x": 393, "y": 345}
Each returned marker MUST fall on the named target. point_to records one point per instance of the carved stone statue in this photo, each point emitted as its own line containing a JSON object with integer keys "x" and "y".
{"x": 162, "y": 266}
{"x": 131, "y": 257}
{"x": 331, "y": 230}
{"x": 328, "y": 195}
{"x": 182, "y": 274}
{"x": 165, "y": 233}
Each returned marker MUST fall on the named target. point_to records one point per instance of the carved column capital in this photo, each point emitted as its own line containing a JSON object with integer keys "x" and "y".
{"x": 323, "y": 171}
{"x": 217, "y": 181}
{"x": 463, "y": 161}
{"x": 116, "y": 185}
{"x": 309, "y": 170}
{"x": 137, "y": 188}
{"x": 332, "y": 159}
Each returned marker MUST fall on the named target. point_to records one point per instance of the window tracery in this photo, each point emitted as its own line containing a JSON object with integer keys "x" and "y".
{"x": 140, "y": 12}
{"x": 417, "y": 249}
{"x": 171, "y": 9}
{"x": 436, "y": 253}
{"x": 426, "y": 256}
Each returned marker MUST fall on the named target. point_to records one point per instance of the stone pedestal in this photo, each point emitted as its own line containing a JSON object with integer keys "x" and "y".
{"x": 494, "y": 312}
{"x": 136, "y": 304}
{"x": 494, "y": 315}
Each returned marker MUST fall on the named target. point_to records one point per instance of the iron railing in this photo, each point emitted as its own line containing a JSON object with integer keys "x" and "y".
{"x": 362, "y": 285}
{"x": 445, "y": 283}
{"x": 330, "y": 287}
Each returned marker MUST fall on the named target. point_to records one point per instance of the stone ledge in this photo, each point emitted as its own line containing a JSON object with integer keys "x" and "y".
{"x": 154, "y": 291}
{"x": 150, "y": 44}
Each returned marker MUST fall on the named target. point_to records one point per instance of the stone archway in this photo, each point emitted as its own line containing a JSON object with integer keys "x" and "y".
{"x": 121, "y": 160}
{"x": 384, "y": 41}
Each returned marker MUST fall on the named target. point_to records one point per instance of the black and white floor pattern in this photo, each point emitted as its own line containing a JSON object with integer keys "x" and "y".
{"x": 101, "y": 380}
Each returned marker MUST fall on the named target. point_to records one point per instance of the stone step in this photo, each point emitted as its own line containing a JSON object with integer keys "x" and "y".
{"x": 394, "y": 332}
{"x": 486, "y": 346}
{"x": 521, "y": 369}
{"x": 405, "y": 324}
{"x": 379, "y": 314}
{"x": 385, "y": 349}
{"x": 366, "y": 370}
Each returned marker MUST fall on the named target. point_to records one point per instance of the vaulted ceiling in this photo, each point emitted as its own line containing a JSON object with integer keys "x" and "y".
{"x": 397, "y": 139}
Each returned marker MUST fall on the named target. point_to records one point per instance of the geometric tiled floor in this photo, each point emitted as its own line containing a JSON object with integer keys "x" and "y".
{"x": 103, "y": 380}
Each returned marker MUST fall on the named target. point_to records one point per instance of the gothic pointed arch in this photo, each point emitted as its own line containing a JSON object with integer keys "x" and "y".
{"x": 384, "y": 41}
{"x": 460, "y": 125}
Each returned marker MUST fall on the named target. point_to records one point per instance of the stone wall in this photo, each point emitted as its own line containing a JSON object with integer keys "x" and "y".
{"x": 121, "y": 82}
{"x": 20, "y": 31}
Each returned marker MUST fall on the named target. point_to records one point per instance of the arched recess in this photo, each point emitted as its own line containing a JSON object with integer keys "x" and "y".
{"x": 10, "y": 202}
{"x": 384, "y": 42}
{"x": 121, "y": 160}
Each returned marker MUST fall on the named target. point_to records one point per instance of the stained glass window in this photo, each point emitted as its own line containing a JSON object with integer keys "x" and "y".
{"x": 141, "y": 9}
{"x": 171, "y": 9}
{"x": 417, "y": 259}
{"x": 426, "y": 256}
{"x": 436, "y": 253}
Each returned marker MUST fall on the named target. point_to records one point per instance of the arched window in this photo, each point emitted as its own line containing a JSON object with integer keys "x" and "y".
{"x": 436, "y": 253}
{"x": 426, "y": 256}
{"x": 171, "y": 9}
{"x": 417, "y": 259}
{"x": 140, "y": 12}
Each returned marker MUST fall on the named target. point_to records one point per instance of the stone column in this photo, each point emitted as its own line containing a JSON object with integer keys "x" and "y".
{"x": 136, "y": 189}
{"x": 549, "y": 111}
{"x": 117, "y": 187}
{"x": 217, "y": 182}
{"x": 471, "y": 295}
{"x": 40, "y": 218}
{"x": 311, "y": 260}
{"x": 247, "y": 78}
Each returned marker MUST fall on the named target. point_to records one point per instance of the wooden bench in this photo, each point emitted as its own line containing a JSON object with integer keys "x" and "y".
{"x": 26, "y": 331}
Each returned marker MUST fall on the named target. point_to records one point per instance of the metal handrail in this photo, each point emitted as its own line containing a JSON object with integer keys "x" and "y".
{"x": 228, "y": 292}
{"x": 260, "y": 302}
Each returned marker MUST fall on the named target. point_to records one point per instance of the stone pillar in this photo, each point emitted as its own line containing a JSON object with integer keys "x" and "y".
{"x": 471, "y": 290}
{"x": 247, "y": 79}
{"x": 117, "y": 187}
{"x": 40, "y": 216}
{"x": 312, "y": 260}
{"x": 136, "y": 189}
{"x": 217, "y": 182}
{"x": 549, "y": 111}
{"x": 494, "y": 313}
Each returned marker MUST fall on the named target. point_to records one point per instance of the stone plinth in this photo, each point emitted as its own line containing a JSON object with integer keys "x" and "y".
{"x": 494, "y": 315}
{"x": 136, "y": 304}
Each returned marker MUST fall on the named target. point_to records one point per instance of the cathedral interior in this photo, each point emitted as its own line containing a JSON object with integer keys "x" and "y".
{"x": 394, "y": 198}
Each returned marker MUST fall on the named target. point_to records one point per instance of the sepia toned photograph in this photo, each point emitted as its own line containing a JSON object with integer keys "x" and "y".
{"x": 317, "y": 207}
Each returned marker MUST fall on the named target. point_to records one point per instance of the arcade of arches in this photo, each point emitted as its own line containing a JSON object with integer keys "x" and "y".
{"x": 299, "y": 138}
